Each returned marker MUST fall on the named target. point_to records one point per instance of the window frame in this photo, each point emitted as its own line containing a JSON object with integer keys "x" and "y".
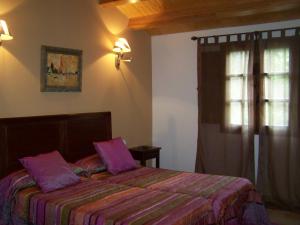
{"x": 227, "y": 126}
{"x": 266, "y": 100}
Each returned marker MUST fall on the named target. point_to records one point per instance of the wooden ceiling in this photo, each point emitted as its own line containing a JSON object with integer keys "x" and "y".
{"x": 172, "y": 16}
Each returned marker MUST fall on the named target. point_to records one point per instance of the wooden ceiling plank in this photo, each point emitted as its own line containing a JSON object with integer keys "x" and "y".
{"x": 169, "y": 16}
{"x": 211, "y": 23}
{"x": 143, "y": 8}
{"x": 179, "y": 6}
{"x": 115, "y": 3}
{"x": 150, "y": 22}
{"x": 112, "y": 3}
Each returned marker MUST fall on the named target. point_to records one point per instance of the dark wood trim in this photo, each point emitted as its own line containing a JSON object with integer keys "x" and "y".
{"x": 257, "y": 82}
{"x": 143, "y": 153}
{"x": 249, "y": 35}
{"x": 71, "y": 134}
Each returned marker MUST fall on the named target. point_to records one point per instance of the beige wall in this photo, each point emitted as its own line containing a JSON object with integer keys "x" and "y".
{"x": 78, "y": 24}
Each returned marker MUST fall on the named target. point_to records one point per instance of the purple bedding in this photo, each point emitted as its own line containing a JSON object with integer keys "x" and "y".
{"x": 141, "y": 196}
{"x": 93, "y": 202}
{"x": 228, "y": 195}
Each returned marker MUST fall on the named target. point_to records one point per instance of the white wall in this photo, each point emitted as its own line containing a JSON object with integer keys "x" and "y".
{"x": 174, "y": 83}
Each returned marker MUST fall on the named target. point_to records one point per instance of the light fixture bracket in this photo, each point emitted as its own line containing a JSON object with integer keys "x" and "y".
{"x": 4, "y": 32}
{"x": 120, "y": 57}
{"x": 121, "y": 47}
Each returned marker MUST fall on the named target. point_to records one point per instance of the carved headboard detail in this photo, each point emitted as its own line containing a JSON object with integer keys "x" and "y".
{"x": 72, "y": 135}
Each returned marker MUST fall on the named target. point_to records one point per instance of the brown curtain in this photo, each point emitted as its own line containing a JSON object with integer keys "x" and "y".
{"x": 279, "y": 133}
{"x": 225, "y": 143}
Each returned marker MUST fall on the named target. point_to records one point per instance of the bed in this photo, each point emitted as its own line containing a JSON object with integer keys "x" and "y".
{"x": 226, "y": 194}
{"x": 141, "y": 196}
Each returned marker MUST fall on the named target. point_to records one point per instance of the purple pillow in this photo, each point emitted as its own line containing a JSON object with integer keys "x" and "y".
{"x": 50, "y": 171}
{"x": 115, "y": 155}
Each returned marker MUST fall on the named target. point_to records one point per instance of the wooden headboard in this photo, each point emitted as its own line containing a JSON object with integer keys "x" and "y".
{"x": 72, "y": 135}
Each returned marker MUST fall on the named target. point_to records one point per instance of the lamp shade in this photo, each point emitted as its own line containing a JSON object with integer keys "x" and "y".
{"x": 121, "y": 45}
{"x": 4, "y": 32}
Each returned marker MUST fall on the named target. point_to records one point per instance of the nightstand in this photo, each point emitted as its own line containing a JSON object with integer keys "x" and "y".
{"x": 144, "y": 152}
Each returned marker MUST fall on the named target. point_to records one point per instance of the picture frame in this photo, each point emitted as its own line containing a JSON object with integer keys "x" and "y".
{"x": 61, "y": 69}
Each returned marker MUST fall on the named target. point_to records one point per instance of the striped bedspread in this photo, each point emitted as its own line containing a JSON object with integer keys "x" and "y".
{"x": 227, "y": 194}
{"x": 145, "y": 196}
{"x": 95, "y": 203}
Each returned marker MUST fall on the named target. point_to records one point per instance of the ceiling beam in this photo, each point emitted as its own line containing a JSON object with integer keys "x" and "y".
{"x": 218, "y": 13}
{"x": 209, "y": 23}
{"x": 112, "y": 3}
{"x": 115, "y": 3}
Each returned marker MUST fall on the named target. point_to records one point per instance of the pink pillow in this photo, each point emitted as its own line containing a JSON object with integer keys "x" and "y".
{"x": 50, "y": 171}
{"x": 115, "y": 155}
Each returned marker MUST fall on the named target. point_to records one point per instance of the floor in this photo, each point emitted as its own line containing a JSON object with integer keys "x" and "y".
{"x": 284, "y": 217}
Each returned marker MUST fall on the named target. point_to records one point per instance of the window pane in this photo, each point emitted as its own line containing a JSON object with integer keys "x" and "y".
{"x": 276, "y": 60}
{"x": 276, "y": 113}
{"x": 235, "y": 87}
{"x": 245, "y": 88}
{"x": 277, "y": 87}
{"x": 237, "y": 63}
{"x": 245, "y": 117}
{"x": 235, "y": 113}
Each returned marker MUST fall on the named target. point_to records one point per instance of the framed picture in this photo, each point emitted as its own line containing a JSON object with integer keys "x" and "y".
{"x": 61, "y": 69}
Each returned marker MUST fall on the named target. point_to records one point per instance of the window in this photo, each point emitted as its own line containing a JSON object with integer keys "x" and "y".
{"x": 275, "y": 92}
{"x": 276, "y": 87}
{"x": 236, "y": 88}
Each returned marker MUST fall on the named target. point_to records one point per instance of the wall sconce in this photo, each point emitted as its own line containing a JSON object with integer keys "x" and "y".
{"x": 4, "y": 32}
{"x": 121, "y": 47}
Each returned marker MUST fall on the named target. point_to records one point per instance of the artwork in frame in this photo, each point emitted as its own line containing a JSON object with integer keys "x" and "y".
{"x": 61, "y": 69}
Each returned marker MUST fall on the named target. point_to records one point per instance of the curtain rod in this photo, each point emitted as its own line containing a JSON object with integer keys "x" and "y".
{"x": 195, "y": 38}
